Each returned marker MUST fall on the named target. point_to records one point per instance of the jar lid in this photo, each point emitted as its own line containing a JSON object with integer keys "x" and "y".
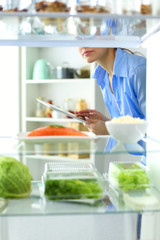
{"x": 81, "y": 100}
{"x": 41, "y": 98}
{"x": 68, "y": 99}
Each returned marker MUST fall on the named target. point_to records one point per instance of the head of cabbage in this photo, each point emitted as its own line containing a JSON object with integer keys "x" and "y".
{"x": 15, "y": 178}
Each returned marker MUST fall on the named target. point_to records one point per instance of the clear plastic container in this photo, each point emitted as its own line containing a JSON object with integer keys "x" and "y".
{"x": 53, "y": 25}
{"x": 137, "y": 200}
{"x": 10, "y": 26}
{"x": 16, "y": 6}
{"x": 97, "y": 6}
{"x": 89, "y": 27}
{"x": 129, "y": 187}
{"x": 128, "y": 176}
{"x": 130, "y": 6}
{"x": 86, "y": 6}
{"x": 72, "y": 181}
{"x": 68, "y": 166}
{"x": 105, "y": 6}
{"x": 52, "y": 6}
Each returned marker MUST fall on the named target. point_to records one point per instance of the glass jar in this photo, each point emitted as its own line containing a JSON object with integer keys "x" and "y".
{"x": 81, "y": 104}
{"x": 146, "y": 7}
{"x": 69, "y": 105}
{"x": 104, "y": 6}
{"x": 49, "y": 111}
{"x": 86, "y": 6}
{"x": 53, "y": 25}
{"x": 96, "y": 6}
{"x": 52, "y": 6}
{"x": 40, "y": 109}
{"x": 130, "y": 6}
{"x": 16, "y": 6}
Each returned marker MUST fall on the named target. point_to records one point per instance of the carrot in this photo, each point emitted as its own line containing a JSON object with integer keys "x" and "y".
{"x": 55, "y": 130}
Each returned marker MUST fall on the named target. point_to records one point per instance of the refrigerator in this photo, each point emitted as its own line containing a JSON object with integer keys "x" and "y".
{"x": 88, "y": 226}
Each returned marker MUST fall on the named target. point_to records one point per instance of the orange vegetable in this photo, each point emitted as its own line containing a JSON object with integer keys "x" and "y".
{"x": 55, "y": 130}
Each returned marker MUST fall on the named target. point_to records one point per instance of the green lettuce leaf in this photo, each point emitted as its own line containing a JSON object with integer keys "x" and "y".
{"x": 133, "y": 180}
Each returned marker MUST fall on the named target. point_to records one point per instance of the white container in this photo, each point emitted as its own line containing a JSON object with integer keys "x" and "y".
{"x": 127, "y": 132}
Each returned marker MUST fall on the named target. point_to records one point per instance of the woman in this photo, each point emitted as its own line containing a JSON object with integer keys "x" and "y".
{"x": 121, "y": 76}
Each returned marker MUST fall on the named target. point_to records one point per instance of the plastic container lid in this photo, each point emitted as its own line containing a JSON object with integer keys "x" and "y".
{"x": 68, "y": 166}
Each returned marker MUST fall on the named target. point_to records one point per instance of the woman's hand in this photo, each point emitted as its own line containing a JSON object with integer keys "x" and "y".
{"x": 91, "y": 114}
{"x": 96, "y": 121}
{"x": 98, "y": 127}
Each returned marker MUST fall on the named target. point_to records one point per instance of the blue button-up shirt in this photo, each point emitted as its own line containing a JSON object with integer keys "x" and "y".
{"x": 128, "y": 85}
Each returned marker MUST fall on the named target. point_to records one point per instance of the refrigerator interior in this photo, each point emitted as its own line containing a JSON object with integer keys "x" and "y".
{"x": 10, "y": 105}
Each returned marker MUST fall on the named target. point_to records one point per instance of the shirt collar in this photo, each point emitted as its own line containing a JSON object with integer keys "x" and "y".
{"x": 99, "y": 74}
{"x": 119, "y": 68}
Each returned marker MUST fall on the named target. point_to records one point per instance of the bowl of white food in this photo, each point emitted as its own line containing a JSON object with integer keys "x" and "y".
{"x": 127, "y": 129}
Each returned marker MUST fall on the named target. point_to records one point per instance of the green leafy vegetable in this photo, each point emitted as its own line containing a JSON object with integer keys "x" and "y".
{"x": 128, "y": 176}
{"x": 133, "y": 180}
{"x": 72, "y": 189}
{"x": 15, "y": 178}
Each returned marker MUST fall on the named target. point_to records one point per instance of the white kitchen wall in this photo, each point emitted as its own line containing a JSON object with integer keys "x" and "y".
{"x": 58, "y": 55}
{"x": 9, "y": 91}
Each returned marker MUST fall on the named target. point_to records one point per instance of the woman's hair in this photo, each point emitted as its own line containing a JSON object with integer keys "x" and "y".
{"x": 128, "y": 50}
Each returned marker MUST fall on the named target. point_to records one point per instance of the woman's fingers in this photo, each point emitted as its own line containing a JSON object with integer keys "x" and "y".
{"x": 90, "y": 120}
{"x": 96, "y": 126}
{"x": 91, "y": 114}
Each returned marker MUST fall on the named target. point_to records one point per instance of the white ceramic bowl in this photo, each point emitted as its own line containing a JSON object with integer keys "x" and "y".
{"x": 127, "y": 132}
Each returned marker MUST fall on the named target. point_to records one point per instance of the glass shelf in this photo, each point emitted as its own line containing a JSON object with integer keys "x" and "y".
{"x": 37, "y": 205}
{"x": 64, "y": 29}
{"x": 94, "y": 144}
{"x": 52, "y": 120}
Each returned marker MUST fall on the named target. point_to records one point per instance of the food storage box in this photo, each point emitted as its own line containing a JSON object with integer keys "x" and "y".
{"x": 52, "y": 6}
{"x": 128, "y": 176}
{"x": 53, "y": 25}
{"x": 137, "y": 200}
{"x": 99, "y": 6}
{"x": 129, "y": 186}
{"x": 69, "y": 166}
{"x": 15, "y": 6}
{"x": 70, "y": 181}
